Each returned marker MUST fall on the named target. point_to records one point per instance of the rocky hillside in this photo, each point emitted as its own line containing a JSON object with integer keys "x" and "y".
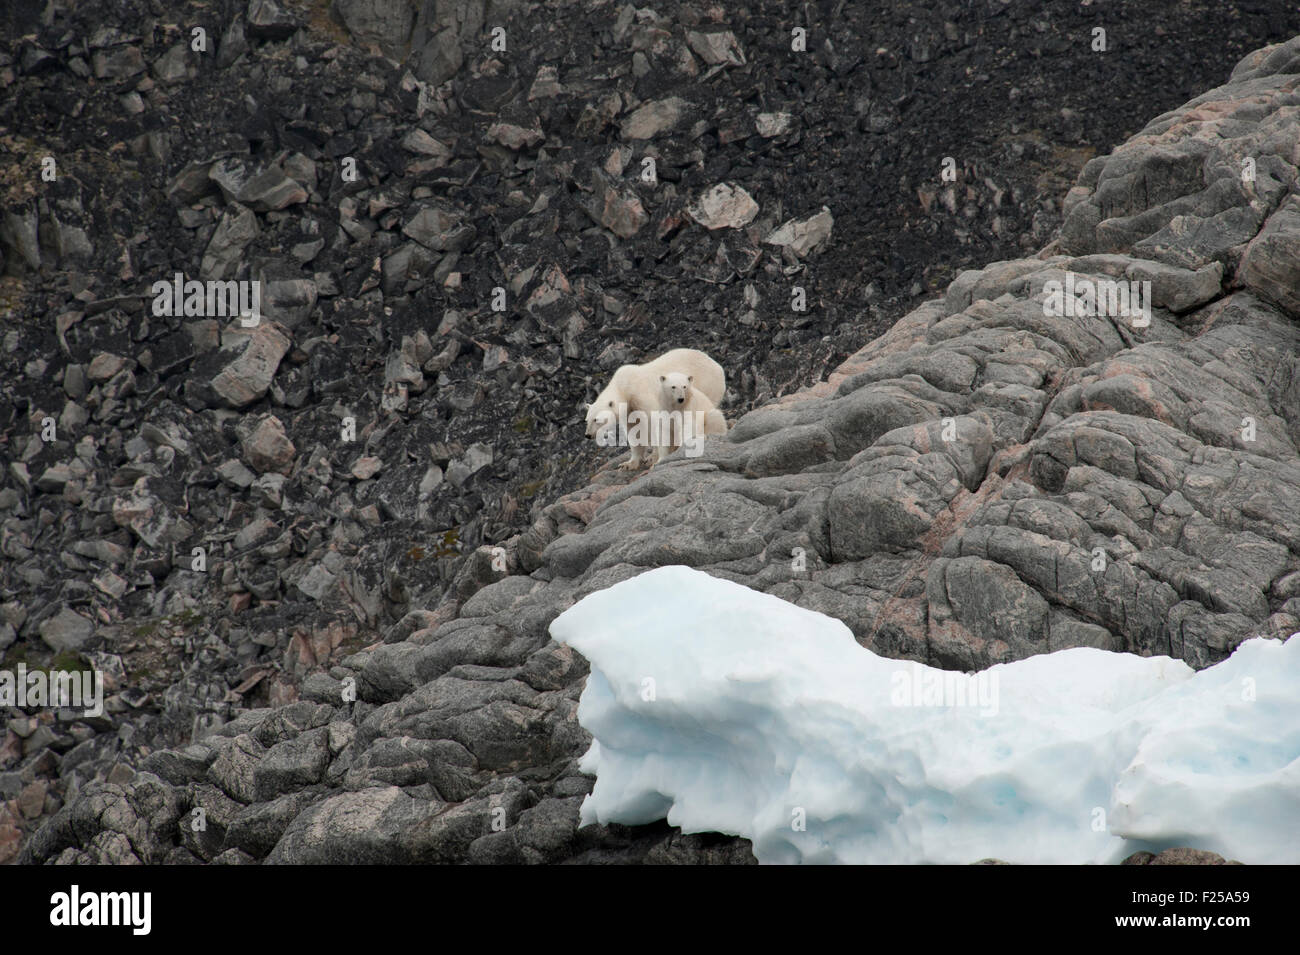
{"x": 458, "y": 235}
{"x": 986, "y": 481}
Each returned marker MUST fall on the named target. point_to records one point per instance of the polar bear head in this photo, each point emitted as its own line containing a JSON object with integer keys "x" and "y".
{"x": 602, "y": 416}
{"x": 675, "y": 388}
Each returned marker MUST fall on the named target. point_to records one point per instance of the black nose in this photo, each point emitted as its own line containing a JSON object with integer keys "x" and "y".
{"x": 681, "y": 401}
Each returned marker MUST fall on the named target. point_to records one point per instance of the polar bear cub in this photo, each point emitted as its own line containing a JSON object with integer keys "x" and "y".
{"x": 691, "y": 415}
{"x": 629, "y": 402}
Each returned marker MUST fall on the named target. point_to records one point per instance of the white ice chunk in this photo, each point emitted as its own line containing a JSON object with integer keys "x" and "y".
{"x": 727, "y": 710}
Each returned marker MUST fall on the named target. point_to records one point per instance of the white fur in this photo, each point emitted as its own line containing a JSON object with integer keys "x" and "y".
{"x": 698, "y": 415}
{"x": 638, "y": 387}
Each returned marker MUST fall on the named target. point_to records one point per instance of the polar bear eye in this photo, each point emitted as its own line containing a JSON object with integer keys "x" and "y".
{"x": 611, "y": 404}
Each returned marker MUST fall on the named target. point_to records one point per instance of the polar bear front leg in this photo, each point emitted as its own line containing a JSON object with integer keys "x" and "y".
{"x": 670, "y": 437}
{"x": 636, "y": 460}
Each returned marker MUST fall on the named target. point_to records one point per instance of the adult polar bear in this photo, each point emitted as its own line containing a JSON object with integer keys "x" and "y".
{"x": 638, "y": 388}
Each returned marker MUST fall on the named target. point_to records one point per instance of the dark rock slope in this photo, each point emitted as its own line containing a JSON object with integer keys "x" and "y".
{"x": 984, "y": 482}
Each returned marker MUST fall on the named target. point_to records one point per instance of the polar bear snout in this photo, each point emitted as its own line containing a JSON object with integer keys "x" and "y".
{"x": 601, "y": 421}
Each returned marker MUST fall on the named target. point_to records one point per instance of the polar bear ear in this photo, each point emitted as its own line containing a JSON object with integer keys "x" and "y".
{"x": 690, "y": 378}
{"x": 585, "y": 407}
{"x": 663, "y": 377}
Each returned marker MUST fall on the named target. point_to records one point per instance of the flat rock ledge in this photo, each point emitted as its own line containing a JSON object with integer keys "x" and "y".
{"x": 985, "y": 482}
